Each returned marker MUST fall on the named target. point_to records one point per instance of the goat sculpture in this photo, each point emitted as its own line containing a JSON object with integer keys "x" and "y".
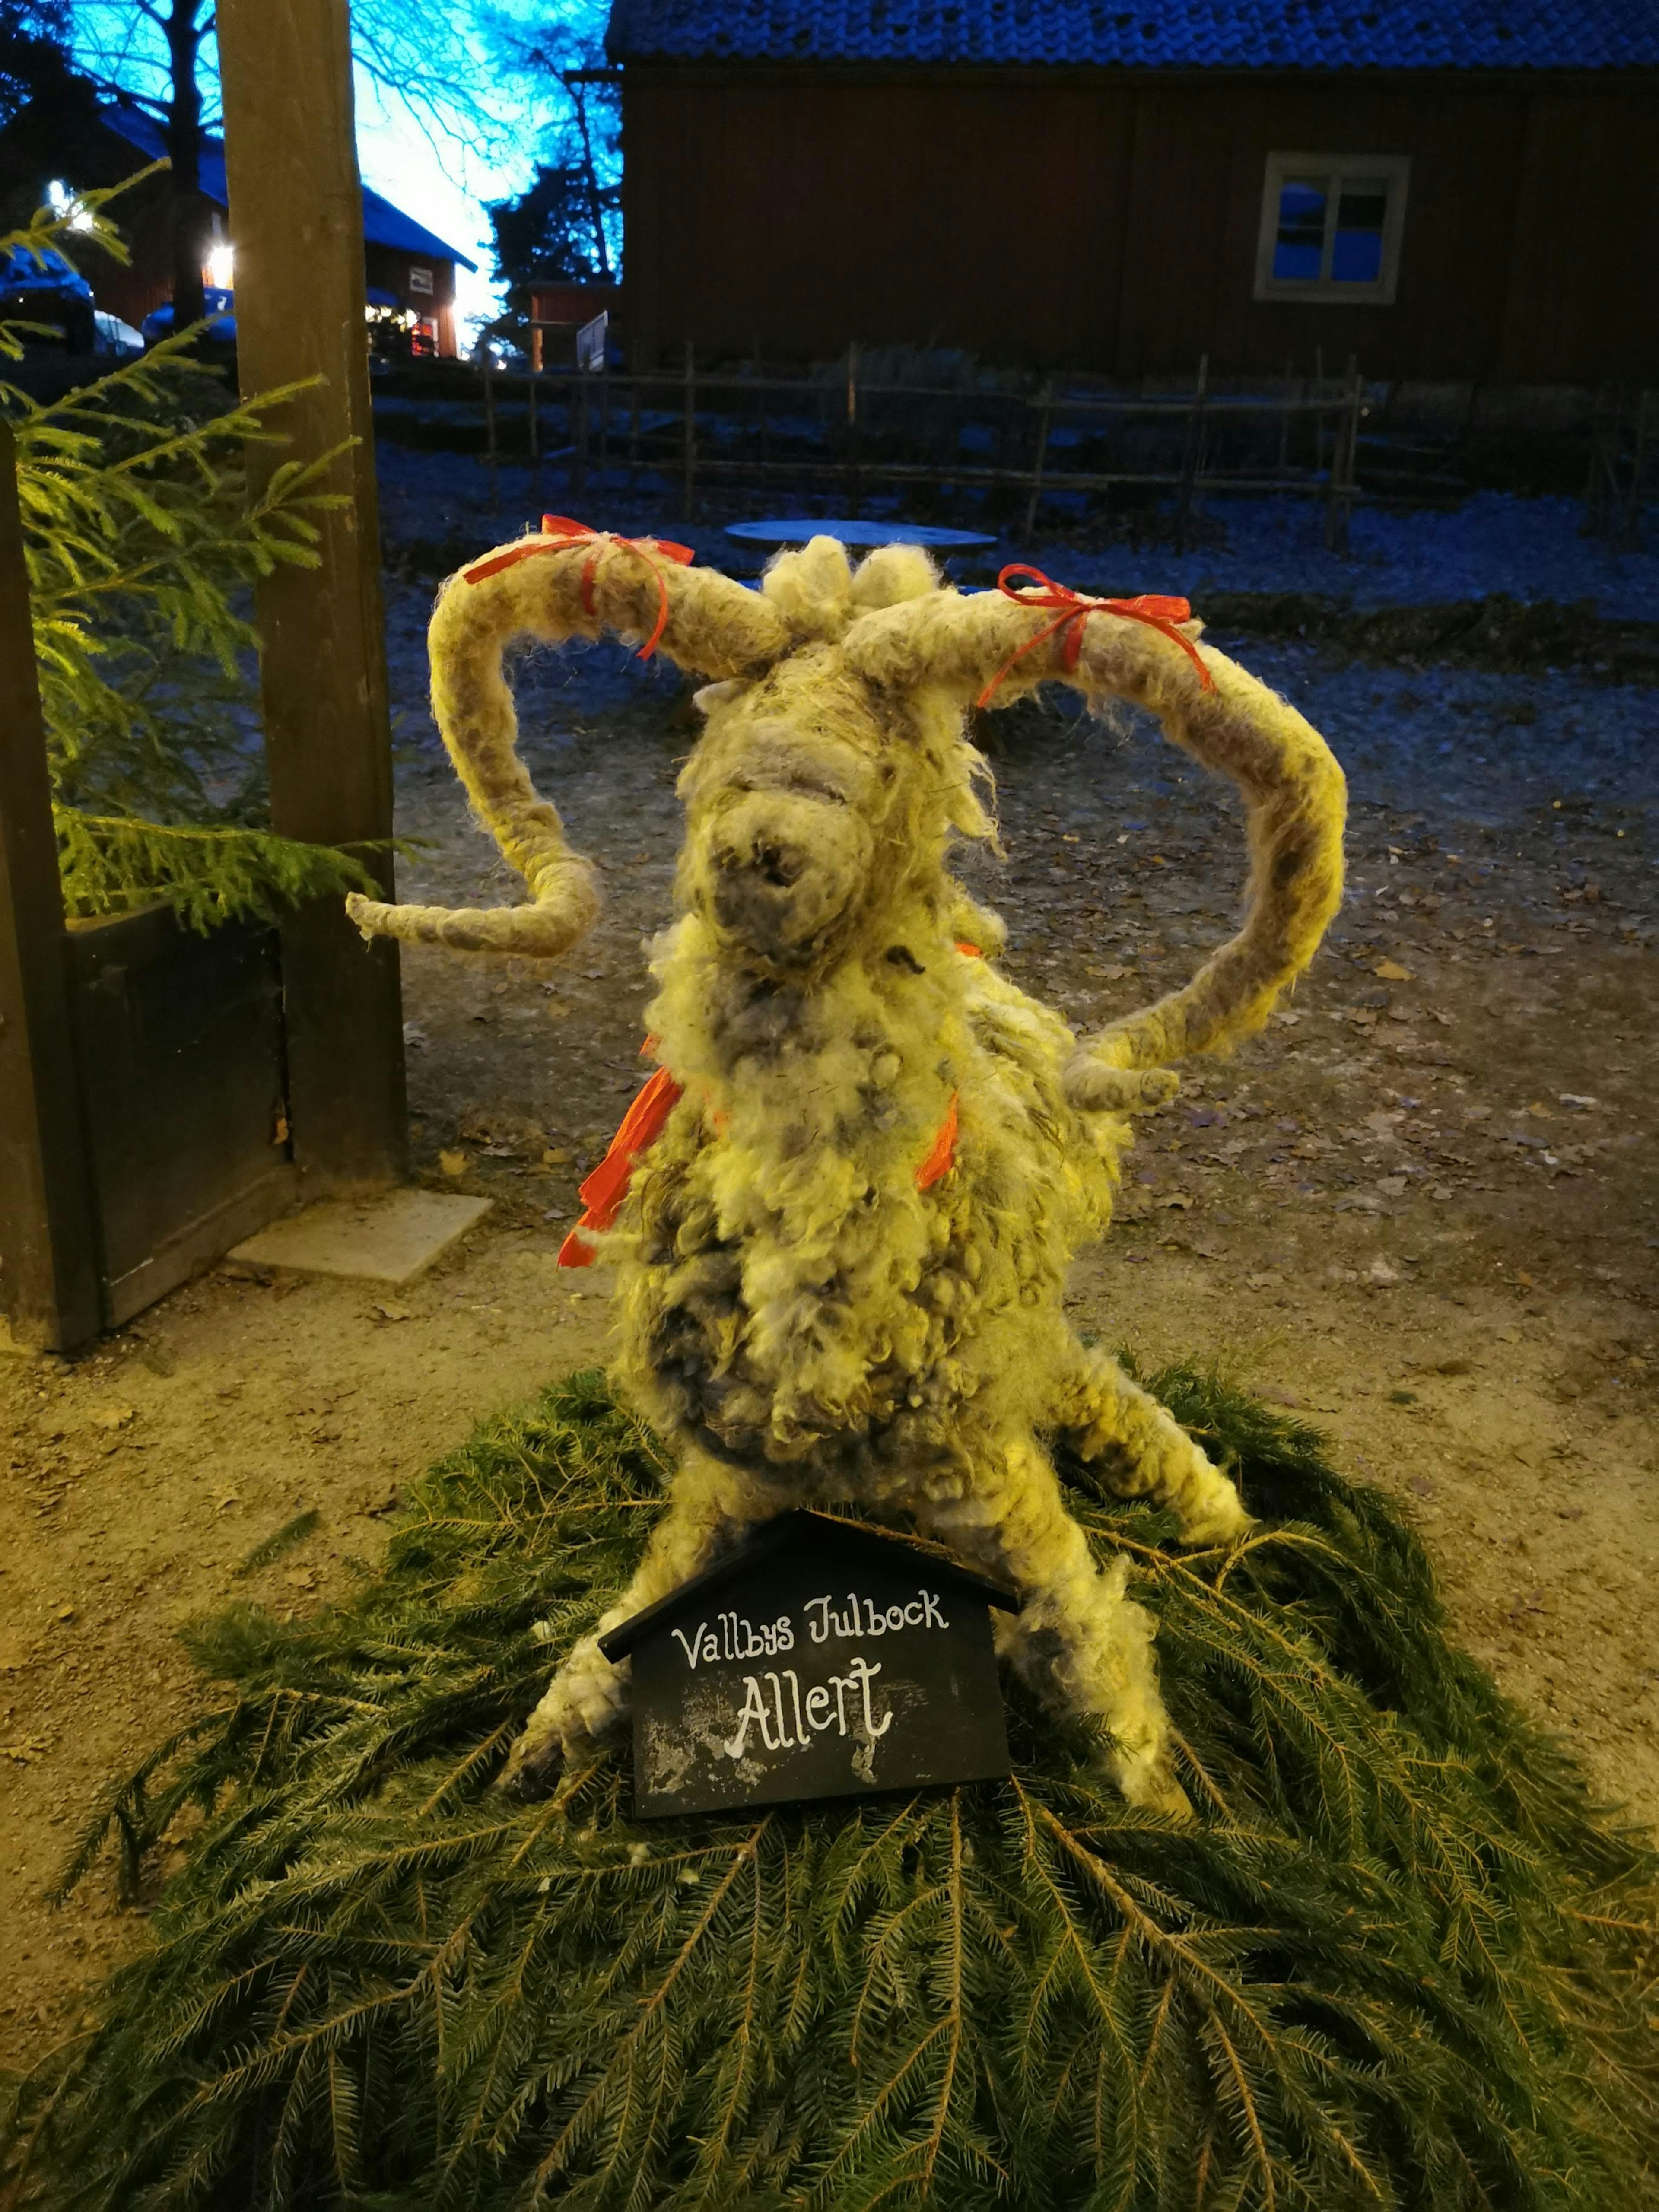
{"x": 840, "y": 1260}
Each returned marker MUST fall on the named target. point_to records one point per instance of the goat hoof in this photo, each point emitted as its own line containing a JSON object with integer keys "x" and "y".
{"x": 531, "y": 1772}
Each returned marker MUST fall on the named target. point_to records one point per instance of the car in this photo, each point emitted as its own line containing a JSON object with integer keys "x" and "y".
{"x": 219, "y": 307}
{"x": 43, "y": 288}
{"x": 113, "y": 337}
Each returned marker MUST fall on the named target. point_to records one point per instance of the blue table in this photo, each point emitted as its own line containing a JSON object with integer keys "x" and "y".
{"x": 797, "y": 530}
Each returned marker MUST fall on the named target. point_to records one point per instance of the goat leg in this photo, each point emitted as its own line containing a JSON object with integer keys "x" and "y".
{"x": 1141, "y": 1450}
{"x": 709, "y": 1506}
{"x": 1079, "y": 1639}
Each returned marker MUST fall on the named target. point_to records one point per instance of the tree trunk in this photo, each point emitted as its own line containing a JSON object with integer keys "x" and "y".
{"x": 190, "y": 228}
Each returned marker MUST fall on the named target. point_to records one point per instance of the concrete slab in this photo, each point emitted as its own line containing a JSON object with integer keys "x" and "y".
{"x": 389, "y": 1238}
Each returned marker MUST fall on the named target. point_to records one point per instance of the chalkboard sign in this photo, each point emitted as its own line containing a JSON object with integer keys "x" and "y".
{"x": 820, "y": 1658}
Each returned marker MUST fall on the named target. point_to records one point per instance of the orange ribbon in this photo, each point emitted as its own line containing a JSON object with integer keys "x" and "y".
{"x": 1073, "y": 611}
{"x": 603, "y": 1193}
{"x": 558, "y": 532}
{"x": 943, "y": 1158}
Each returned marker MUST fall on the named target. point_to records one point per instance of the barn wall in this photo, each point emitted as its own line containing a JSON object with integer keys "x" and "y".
{"x": 1094, "y": 220}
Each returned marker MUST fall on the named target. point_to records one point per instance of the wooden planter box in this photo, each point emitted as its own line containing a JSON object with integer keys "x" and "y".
{"x": 178, "y": 1047}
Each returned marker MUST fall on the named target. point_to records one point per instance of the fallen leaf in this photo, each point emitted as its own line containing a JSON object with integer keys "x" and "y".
{"x": 1390, "y": 971}
{"x": 31, "y": 1748}
{"x": 117, "y": 1417}
{"x": 452, "y": 1163}
{"x": 1383, "y": 1274}
{"x": 1392, "y": 1185}
{"x": 65, "y": 1612}
{"x": 392, "y": 1313}
{"x": 552, "y": 1159}
{"x": 1178, "y": 1199}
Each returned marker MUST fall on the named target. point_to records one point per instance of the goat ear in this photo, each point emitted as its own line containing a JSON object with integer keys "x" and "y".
{"x": 1293, "y": 792}
{"x": 711, "y": 695}
{"x": 554, "y": 586}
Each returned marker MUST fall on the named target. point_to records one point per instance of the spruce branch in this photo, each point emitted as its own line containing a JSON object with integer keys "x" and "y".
{"x": 1398, "y": 1961}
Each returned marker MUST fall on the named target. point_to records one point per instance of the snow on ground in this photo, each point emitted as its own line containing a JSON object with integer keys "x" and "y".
{"x": 1493, "y": 542}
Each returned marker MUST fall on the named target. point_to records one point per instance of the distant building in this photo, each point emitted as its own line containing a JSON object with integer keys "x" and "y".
{"x": 410, "y": 273}
{"x": 1462, "y": 191}
{"x": 557, "y": 309}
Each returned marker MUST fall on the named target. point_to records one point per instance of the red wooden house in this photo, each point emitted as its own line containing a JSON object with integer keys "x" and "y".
{"x": 1466, "y": 191}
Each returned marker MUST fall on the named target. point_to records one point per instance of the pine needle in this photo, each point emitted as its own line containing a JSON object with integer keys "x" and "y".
{"x": 1400, "y": 1960}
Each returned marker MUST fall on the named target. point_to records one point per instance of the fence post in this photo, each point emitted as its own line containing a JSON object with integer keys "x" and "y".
{"x": 578, "y": 437}
{"x": 489, "y": 429}
{"x": 1043, "y": 414}
{"x": 853, "y": 430}
{"x": 691, "y": 431}
{"x": 604, "y": 417}
{"x": 49, "y": 1287}
{"x": 1285, "y": 424}
{"x": 535, "y": 430}
{"x": 1338, "y": 489}
{"x": 1192, "y": 455}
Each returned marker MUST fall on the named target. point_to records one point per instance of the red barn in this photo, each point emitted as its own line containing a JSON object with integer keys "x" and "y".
{"x": 1462, "y": 192}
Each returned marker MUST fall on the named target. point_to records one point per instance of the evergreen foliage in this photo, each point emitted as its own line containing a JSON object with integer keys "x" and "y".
{"x": 1399, "y": 1961}
{"x": 143, "y": 537}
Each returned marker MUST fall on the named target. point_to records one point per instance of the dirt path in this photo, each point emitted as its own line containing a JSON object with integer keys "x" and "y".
{"x": 1421, "y": 1207}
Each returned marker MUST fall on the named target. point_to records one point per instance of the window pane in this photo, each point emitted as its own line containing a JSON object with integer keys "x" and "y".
{"x": 1299, "y": 247}
{"x": 1362, "y": 208}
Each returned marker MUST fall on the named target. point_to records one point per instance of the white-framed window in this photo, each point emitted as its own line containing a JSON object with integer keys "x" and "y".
{"x": 420, "y": 278}
{"x": 1331, "y": 226}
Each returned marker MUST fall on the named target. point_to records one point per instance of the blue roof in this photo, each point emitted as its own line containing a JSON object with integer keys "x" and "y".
{"x": 383, "y": 224}
{"x": 1234, "y": 35}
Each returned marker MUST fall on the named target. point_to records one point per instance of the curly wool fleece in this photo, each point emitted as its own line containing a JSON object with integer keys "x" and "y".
{"x": 804, "y": 1319}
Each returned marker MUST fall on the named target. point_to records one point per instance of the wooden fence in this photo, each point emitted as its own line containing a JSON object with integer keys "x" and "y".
{"x": 1624, "y": 452}
{"x": 741, "y": 425}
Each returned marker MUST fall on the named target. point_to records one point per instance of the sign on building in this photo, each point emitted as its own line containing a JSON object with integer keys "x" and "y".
{"x": 591, "y": 340}
{"x": 821, "y": 1658}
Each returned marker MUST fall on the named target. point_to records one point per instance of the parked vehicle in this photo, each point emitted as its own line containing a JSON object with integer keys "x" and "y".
{"x": 45, "y": 290}
{"x": 221, "y": 319}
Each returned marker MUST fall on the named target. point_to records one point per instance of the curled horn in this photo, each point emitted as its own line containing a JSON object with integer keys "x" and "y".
{"x": 1294, "y": 793}
{"x": 554, "y": 587}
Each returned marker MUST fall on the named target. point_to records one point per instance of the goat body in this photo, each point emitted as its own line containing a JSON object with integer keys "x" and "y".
{"x": 824, "y": 1298}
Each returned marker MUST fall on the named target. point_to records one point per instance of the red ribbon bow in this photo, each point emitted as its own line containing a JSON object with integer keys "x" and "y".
{"x": 558, "y": 532}
{"x": 1073, "y": 611}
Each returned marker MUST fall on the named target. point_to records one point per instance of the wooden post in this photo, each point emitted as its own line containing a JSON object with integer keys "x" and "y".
{"x": 535, "y": 433}
{"x": 578, "y": 437}
{"x": 853, "y": 430}
{"x": 691, "y": 431}
{"x": 1192, "y": 456}
{"x": 49, "y": 1285}
{"x": 1285, "y": 427}
{"x": 296, "y": 217}
{"x": 1043, "y": 413}
{"x": 1339, "y": 490}
{"x": 489, "y": 372}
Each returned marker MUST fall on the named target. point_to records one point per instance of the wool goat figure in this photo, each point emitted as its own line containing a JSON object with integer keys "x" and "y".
{"x": 841, "y": 1257}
